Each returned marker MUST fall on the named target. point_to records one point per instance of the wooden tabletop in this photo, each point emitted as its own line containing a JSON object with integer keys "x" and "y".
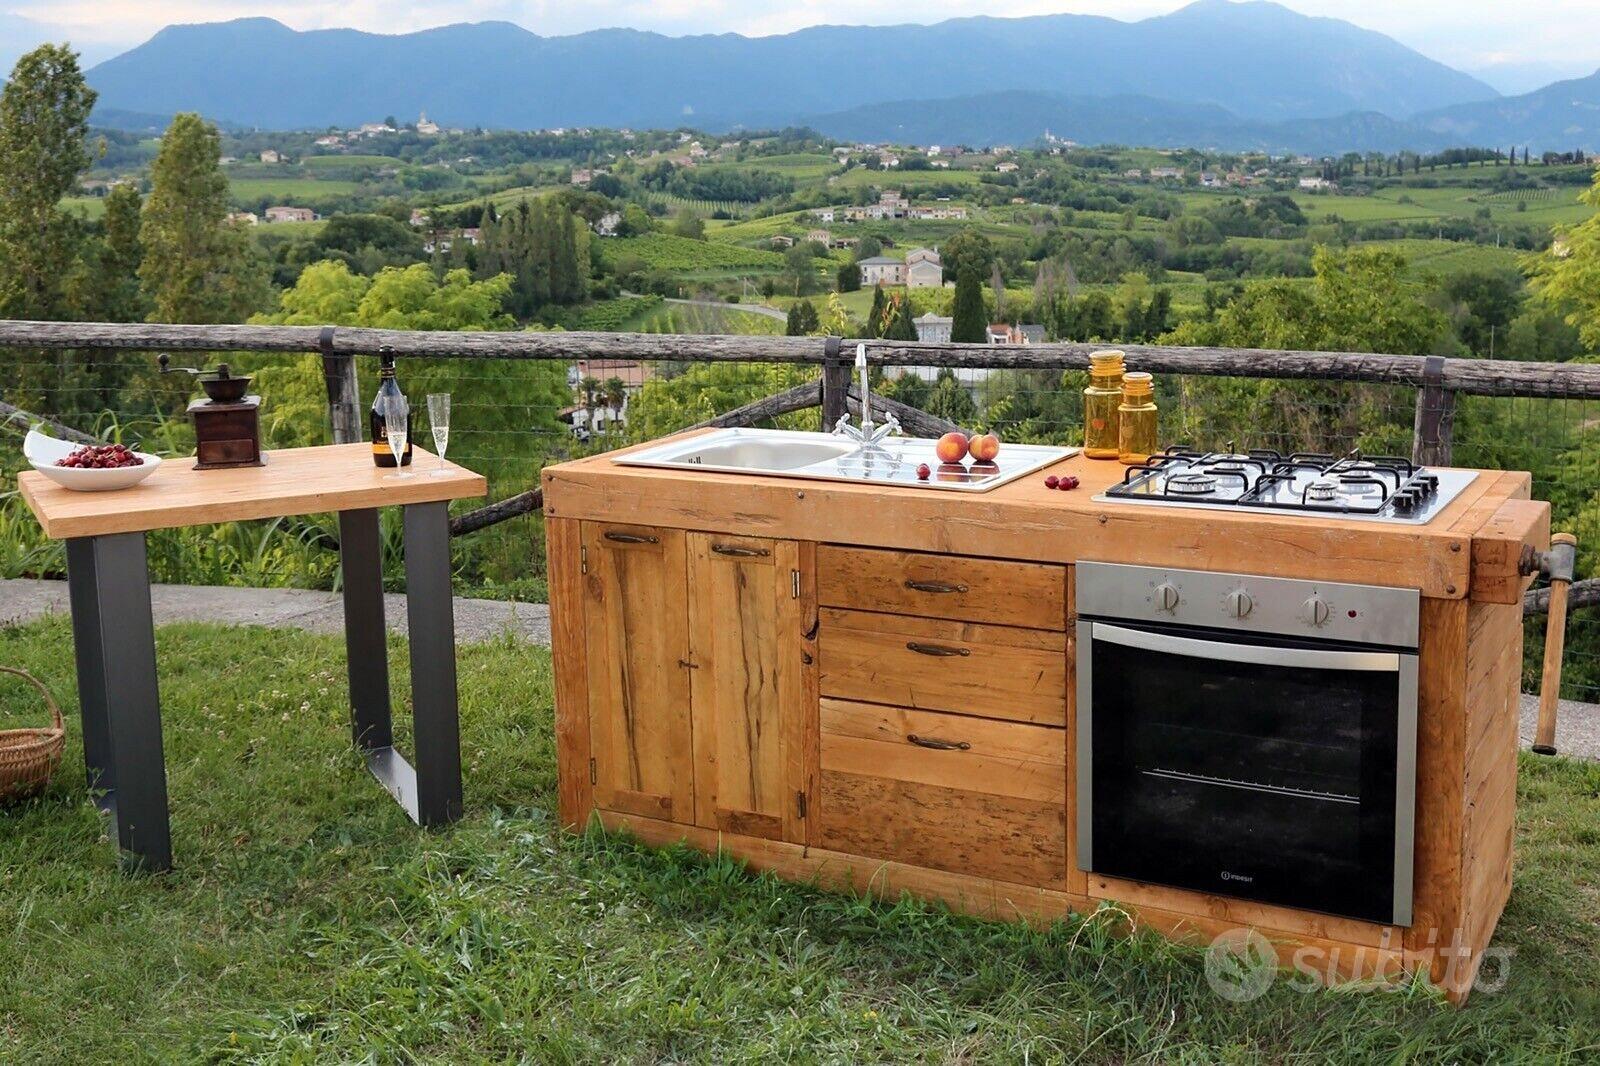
{"x": 294, "y": 481}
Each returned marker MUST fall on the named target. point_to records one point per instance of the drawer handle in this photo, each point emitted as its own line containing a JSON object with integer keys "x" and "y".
{"x": 738, "y": 552}
{"x": 934, "y": 586}
{"x": 938, "y": 745}
{"x": 935, "y": 649}
{"x": 631, "y": 538}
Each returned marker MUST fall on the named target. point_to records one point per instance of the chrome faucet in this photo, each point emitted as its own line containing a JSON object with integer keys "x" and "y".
{"x": 866, "y": 433}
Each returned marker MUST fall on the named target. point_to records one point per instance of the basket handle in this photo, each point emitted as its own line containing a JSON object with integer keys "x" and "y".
{"x": 49, "y": 701}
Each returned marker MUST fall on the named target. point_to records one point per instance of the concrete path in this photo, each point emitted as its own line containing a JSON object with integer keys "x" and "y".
{"x": 1577, "y": 729}
{"x": 318, "y": 612}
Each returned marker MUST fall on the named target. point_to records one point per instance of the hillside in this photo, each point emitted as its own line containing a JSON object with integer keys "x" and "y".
{"x": 1257, "y": 60}
{"x": 1563, "y": 115}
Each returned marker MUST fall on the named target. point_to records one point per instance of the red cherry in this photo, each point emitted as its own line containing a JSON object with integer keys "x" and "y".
{"x": 1051, "y": 482}
{"x": 923, "y": 473}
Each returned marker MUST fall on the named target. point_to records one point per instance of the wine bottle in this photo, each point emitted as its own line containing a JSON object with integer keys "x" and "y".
{"x": 388, "y": 385}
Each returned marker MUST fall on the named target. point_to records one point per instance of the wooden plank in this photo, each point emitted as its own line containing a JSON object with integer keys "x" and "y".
{"x": 805, "y": 736}
{"x": 1441, "y": 769}
{"x": 569, "y": 661}
{"x": 745, "y": 685}
{"x": 1004, "y": 837}
{"x": 1077, "y": 880}
{"x": 989, "y": 671}
{"x": 1504, "y": 546}
{"x": 942, "y": 586}
{"x": 1025, "y": 521}
{"x": 635, "y": 597}
{"x": 1241, "y": 912}
{"x": 996, "y": 757}
{"x": 294, "y": 481}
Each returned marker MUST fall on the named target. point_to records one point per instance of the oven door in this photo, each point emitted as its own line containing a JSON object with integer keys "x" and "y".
{"x": 1264, "y": 767}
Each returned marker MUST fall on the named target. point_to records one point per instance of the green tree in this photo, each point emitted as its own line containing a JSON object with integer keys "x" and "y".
{"x": 951, "y": 401}
{"x": 1481, "y": 305}
{"x": 901, "y": 326}
{"x": 970, "y": 322}
{"x": 1567, "y": 276}
{"x": 802, "y": 319}
{"x": 44, "y": 118}
{"x": 666, "y": 405}
{"x": 849, "y": 277}
{"x": 110, "y": 286}
{"x": 967, "y": 250}
{"x": 197, "y": 267}
{"x": 877, "y": 320}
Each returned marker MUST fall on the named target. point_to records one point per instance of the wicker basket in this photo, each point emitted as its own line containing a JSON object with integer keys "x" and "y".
{"x": 28, "y": 757}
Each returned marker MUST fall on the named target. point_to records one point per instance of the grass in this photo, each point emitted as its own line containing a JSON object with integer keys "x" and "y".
{"x": 308, "y": 920}
{"x": 666, "y": 251}
{"x": 252, "y": 189}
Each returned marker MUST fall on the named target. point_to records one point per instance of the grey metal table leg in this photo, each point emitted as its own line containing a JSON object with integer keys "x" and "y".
{"x": 361, "y": 551}
{"x": 109, "y": 581}
{"x": 430, "y": 618}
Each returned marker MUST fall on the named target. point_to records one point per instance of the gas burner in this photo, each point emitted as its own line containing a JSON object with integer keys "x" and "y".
{"x": 1322, "y": 490}
{"x": 1191, "y": 484}
{"x": 1374, "y": 487}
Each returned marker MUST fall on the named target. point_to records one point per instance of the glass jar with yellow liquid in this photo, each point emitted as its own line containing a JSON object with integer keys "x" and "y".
{"x": 1136, "y": 418}
{"x": 1100, "y": 402}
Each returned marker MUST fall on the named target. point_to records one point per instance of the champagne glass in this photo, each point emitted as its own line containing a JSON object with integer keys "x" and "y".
{"x": 396, "y": 421}
{"x": 439, "y": 420}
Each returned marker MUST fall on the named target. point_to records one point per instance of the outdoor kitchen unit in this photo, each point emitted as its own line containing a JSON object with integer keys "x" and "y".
{"x": 1220, "y": 689}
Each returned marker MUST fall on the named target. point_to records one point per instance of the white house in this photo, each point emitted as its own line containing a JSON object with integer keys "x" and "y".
{"x": 881, "y": 270}
{"x": 1316, "y": 184}
{"x": 582, "y": 175}
{"x": 924, "y": 270}
{"x": 426, "y": 128}
{"x": 1166, "y": 173}
{"x": 932, "y": 328}
{"x": 291, "y": 214}
{"x": 1007, "y": 167}
{"x": 270, "y": 156}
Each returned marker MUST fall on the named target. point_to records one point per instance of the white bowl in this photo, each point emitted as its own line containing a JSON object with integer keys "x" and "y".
{"x": 43, "y": 451}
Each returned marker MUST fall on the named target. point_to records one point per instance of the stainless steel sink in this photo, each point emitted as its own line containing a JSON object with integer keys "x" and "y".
{"x": 826, "y": 457}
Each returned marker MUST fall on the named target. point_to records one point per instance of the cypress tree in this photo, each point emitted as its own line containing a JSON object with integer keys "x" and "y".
{"x": 969, "y": 325}
{"x": 901, "y": 326}
{"x": 875, "y": 319}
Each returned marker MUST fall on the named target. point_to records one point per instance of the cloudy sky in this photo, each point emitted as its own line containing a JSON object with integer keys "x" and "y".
{"x": 1514, "y": 46}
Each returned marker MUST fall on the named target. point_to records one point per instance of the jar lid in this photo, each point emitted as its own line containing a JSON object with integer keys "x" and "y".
{"x": 1106, "y": 360}
{"x": 1137, "y": 383}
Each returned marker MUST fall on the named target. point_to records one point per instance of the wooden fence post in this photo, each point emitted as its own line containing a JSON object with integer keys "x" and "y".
{"x": 835, "y": 384}
{"x": 344, "y": 392}
{"x": 1435, "y": 419}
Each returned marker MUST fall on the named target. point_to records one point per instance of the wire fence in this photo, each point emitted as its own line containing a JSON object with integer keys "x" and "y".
{"x": 511, "y": 418}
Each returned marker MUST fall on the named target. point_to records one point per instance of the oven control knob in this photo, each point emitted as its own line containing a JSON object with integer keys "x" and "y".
{"x": 1314, "y": 612}
{"x": 1239, "y": 603}
{"x": 1167, "y": 597}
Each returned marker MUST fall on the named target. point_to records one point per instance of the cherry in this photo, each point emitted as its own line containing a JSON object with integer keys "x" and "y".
{"x": 1051, "y": 482}
{"x": 923, "y": 473}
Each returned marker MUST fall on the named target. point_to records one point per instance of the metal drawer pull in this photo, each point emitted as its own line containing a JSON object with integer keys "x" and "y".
{"x": 934, "y": 586}
{"x": 938, "y": 745}
{"x": 631, "y": 538}
{"x": 935, "y": 649}
{"x": 738, "y": 552}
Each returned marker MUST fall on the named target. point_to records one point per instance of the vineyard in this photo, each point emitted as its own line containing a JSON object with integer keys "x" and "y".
{"x": 665, "y": 251}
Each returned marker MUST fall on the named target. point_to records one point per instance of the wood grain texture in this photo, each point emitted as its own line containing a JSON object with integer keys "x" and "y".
{"x": 1077, "y": 880}
{"x": 942, "y": 586}
{"x": 569, "y": 663}
{"x": 294, "y": 481}
{"x": 990, "y": 671}
{"x": 635, "y": 604}
{"x": 1441, "y": 774}
{"x": 1025, "y": 521}
{"x": 1474, "y": 376}
{"x": 805, "y": 736}
{"x": 1502, "y": 546}
{"x": 746, "y": 689}
{"x": 1003, "y": 837}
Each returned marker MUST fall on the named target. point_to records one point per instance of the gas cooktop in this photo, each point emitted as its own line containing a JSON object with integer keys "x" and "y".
{"x": 1378, "y": 488}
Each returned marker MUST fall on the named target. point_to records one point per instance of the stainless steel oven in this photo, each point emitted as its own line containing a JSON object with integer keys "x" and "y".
{"x": 1248, "y": 736}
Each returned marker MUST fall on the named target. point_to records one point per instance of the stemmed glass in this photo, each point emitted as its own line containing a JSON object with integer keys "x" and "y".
{"x": 439, "y": 420}
{"x": 396, "y": 414}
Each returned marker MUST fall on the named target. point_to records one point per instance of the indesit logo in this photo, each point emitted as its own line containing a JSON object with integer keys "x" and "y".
{"x": 1240, "y": 965}
{"x": 1229, "y": 875}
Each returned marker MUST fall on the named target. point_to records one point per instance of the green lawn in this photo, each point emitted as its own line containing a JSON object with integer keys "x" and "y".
{"x": 252, "y": 189}
{"x": 308, "y": 920}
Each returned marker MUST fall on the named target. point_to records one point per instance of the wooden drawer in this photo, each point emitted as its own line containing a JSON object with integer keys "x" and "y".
{"x": 933, "y": 664}
{"x": 988, "y": 799}
{"x": 943, "y": 586}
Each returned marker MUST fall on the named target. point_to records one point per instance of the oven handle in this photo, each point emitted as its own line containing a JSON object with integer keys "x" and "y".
{"x": 1308, "y": 658}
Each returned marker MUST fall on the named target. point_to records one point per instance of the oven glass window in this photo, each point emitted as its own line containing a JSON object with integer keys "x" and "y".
{"x": 1271, "y": 783}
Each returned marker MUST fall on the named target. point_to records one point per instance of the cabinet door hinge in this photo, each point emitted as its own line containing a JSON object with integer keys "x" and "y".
{"x": 583, "y": 559}
{"x": 594, "y": 776}
{"x": 794, "y": 584}
{"x": 800, "y": 803}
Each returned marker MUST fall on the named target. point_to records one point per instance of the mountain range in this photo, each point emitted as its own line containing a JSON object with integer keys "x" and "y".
{"x": 1212, "y": 74}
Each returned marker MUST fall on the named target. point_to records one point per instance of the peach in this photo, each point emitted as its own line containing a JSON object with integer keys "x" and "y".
{"x": 952, "y": 447}
{"x": 985, "y": 447}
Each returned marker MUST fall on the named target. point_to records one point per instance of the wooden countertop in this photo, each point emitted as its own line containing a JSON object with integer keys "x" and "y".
{"x": 1471, "y": 547}
{"x": 294, "y": 481}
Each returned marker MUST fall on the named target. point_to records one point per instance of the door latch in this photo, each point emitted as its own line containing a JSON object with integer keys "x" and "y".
{"x": 583, "y": 559}
{"x": 594, "y": 776}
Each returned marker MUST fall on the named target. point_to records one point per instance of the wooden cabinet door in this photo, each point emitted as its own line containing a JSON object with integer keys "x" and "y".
{"x": 747, "y": 632}
{"x": 638, "y": 664}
